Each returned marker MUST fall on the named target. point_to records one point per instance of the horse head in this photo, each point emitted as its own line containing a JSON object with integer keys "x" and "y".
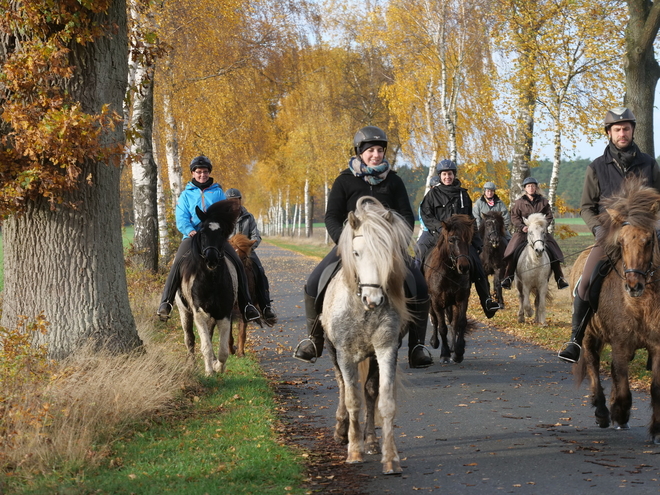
{"x": 373, "y": 248}
{"x": 456, "y": 237}
{"x": 217, "y": 224}
{"x": 492, "y": 228}
{"x": 537, "y": 229}
{"x": 242, "y": 245}
{"x": 630, "y": 221}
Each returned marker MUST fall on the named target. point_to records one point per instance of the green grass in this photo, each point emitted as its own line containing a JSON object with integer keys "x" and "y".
{"x": 226, "y": 443}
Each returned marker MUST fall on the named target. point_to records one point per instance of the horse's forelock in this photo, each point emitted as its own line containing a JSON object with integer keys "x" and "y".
{"x": 537, "y": 219}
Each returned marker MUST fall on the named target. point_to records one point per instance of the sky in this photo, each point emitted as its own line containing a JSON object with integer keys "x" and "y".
{"x": 584, "y": 150}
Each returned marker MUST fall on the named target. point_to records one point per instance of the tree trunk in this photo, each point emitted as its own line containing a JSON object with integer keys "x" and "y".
{"x": 524, "y": 142}
{"x": 68, "y": 263}
{"x": 145, "y": 199}
{"x": 172, "y": 150}
{"x": 309, "y": 231}
{"x": 641, "y": 68}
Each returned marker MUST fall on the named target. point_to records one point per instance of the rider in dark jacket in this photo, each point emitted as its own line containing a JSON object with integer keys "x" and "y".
{"x": 247, "y": 225}
{"x": 368, "y": 174}
{"x": 604, "y": 176}
{"x": 444, "y": 200}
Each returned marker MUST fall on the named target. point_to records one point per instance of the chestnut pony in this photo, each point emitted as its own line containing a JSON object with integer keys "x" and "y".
{"x": 243, "y": 247}
{"x": 628, "y": 312}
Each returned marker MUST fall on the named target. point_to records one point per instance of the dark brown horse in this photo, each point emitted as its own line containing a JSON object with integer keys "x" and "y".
{"x": 492, "y": 232}
{"x": 447, "y": 274}
{"x": 243, "y": 247}
{"x": 628, "y": 312}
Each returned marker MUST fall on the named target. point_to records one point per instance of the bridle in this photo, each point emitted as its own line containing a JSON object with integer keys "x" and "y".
{"x": 453, "y": 257}
{"x": 648, "y": 273}
{"x": 361, "y": 285}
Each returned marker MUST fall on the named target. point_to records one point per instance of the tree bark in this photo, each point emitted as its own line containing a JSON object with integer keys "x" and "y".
{"x": 68, "y": 263}
{"x": 641, "y": 68}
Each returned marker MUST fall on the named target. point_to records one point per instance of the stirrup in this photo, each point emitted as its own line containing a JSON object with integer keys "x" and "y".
{"x": 430, "y": 356}
{"x": 252, "y": 318}
{"x": 566, "y": 344}
{"x": 164, "y": 317}
{"x": 310, "y": 360}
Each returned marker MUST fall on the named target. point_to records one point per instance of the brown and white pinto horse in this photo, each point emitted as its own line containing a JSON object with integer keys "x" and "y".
{"x": 628, "y": 315}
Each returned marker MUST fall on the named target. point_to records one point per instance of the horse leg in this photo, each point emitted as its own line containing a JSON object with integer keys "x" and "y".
{"x": 497, "y": 287}
{"x": 620, "y": 396}
{"x": 591, "y": 351}
{"x": 445, "y": 351}
{"x": 387, "y": 408}
{"x": 188, "y": 332}
{"x": 352, "y": 402}
{"x": 232, "y": 349}
{"x": 459, "y": 325}
{"x": 433, "y": 314}
{"x": 523, "y": 299}
{"x": 242, "y": 337}
{"x": 654, "y": 428}
{"x": 371, "y": 397}
{"x": 541, "y": 294}
{"x": 224, "y": 332}
{"x": 341, "y": 415}
{"x": 204, "y": 328}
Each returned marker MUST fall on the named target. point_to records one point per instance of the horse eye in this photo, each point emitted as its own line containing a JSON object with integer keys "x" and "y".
{"x": 356, "y": 254}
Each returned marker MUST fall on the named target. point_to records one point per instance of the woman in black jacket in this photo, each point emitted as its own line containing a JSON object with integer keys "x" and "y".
{"x": 368, "y": 174}
{"x": 444, "y": 200}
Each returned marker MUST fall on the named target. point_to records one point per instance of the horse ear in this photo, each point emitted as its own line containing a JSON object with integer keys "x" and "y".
{"x": 445, "y": 226}
{"x": 200, "y": 213}
{"x": 525, "y": 221}
{"x": 615, "y": 215}
{"x": 353, "y": 220}
{"x": 388, "y": 216}
{"x": 483, "y": 215}
{"x": 655, "y": 207}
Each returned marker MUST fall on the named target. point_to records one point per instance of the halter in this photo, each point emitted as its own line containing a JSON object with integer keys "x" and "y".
{"x": 647, "y": 274}
{"x": 360, "y": 285}
{"x": 453, "y": 258}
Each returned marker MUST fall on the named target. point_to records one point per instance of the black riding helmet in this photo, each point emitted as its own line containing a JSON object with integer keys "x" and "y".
{"x": 367, "y": 137}
{"x": 233, "y": 193}
{"x": 619, "y": 115}
{"x": 200, "y": 162}
{"x": 446, "y": 165}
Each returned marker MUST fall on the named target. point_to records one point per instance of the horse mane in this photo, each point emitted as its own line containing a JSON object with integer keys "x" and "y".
{"x": 386, "y": 234}
{"x": 242, "y": 245}
{"x": 492, "y": 215}
{"x": 636, "y": 204}
{"x": 537, "y": 219}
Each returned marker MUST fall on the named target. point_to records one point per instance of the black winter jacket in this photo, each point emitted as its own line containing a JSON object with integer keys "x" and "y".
{"x": 348, "y": 188}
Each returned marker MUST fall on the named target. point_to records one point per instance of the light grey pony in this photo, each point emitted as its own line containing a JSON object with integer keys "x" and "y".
{"x": 533, "y": 270}
{"x": 364, "y": 316}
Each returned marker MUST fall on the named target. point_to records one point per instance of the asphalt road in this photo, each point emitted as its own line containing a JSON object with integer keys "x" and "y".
{"x": 509, "y": 419}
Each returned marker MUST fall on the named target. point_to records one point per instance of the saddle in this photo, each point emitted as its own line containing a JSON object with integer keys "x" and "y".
{"x": 331, "y": 270}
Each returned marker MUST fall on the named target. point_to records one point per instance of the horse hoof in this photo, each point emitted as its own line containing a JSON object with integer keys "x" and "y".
{"x": 656, "y": 439}
{"x": 603, "y": 423}
{"x": 435, "y": 342}
{"x": 445, "y": 360}
{"x": 354, "y": 459}
{"x": 392, "y": 467}
{"x": 372, "y": 449}
{"x": 624, "y": 426}
{"x": 340, "y": 439}
{"x": 521, "y": 319}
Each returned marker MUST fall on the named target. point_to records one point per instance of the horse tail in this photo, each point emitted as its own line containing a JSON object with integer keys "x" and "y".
{"x": 580, "y": 370}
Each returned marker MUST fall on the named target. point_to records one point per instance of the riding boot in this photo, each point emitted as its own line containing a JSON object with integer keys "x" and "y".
{"x": 173, "y": 282}
{"x": 250, "y": 313}
{"x": 559, "y": 275}
{"x": 418, "y": 355}
{"x": 581, "y": 315}
{"x": 312, "y": 347}
{"x": 506, "y": 274}
{"x": 263, "y": 294}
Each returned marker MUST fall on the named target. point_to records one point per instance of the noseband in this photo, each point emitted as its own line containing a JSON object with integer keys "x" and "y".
{"x": 208, "y": 249}
{"x": 454, "y": 258}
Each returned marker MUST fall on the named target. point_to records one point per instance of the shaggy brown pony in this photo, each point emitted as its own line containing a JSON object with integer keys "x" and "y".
{"x": 628, "y": 313}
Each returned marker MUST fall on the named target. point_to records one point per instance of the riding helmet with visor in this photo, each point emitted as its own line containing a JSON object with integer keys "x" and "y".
{"x": 200, "y": 162}
{"x": 530, "y": 180}
{"x": 233, "y": 193}
{"x": 446, "y": 165}
{"x": 489, "y": 185}
{"x": 367, "y": 137}
{"x": 619, "y": 115}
